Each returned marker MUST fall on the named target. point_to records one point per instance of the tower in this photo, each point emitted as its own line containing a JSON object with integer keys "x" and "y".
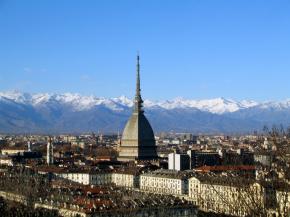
{"x": 49, "y": 156}
{"x": 138, "y": 141}
{"x": 29, "y": 146}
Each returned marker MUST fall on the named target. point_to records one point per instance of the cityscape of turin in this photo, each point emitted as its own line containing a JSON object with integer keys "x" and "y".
{"x": 87, "y": 127}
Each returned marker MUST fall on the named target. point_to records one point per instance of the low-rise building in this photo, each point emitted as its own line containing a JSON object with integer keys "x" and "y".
{"x": 82, "y": 176}
{"x": 87, "y": 178}
{"x": 178, "y": 162}
{"x": 6, "y": 160}
{"x": 242, "y": 170}
{"x": 127, "y": 180}
{"x": 166, "y": 182}
{"x": 283, "y": 199}
{"x": 263, "y": 157}
{"x": 201, "y": 158}
{"x": 233, "y": 196}
{"x": 13, "y": 150}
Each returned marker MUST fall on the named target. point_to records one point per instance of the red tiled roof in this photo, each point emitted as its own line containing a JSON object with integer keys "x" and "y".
{"x": 90, "y": 203}
{"x": 225, "y": 168}
{"x": 51, "y": 169}
{"x": 95, "y": 190}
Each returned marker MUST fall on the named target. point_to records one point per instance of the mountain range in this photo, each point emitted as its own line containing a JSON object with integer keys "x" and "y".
{"x": 75, "y": 113}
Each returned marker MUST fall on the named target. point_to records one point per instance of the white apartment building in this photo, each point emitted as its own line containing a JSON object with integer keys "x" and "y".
{"x": 237, "y": 197}
{"x": 87, "y": 178}
{"x": 13, "y": 150}
{"x": 283, "y": 201}
{"x": 164, "y": 182}
{"x": 5, "y": 160}
{"x": 178, "y": 162}
{"x": 126, "y": 180}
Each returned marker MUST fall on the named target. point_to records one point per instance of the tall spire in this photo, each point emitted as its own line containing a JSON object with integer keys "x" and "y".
{"x": 138, "y": 98}
{"x": 138, "y": 76}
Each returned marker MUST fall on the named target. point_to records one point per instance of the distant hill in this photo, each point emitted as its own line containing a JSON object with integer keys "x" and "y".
{"x": 60, "y": 113}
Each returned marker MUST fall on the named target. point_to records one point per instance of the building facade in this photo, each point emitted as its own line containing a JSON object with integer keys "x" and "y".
{"x": 87, "y": 178}
{"x": 178, "y": 162}
{"x": 164, "y": 182}
{"x": 226, "y": 195}
{"x": 126, "y": 180}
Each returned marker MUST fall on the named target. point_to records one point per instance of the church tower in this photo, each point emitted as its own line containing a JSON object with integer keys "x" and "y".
{"x": 49, "y": 155}
{"x": 29, "y": 146}
{"x": 138, "y": 141}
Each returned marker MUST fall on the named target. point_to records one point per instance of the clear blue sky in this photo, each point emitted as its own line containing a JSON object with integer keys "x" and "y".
{"x": 196, "y": 49}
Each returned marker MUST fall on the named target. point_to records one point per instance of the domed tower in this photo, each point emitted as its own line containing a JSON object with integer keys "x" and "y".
{"x": 138, "y": 141}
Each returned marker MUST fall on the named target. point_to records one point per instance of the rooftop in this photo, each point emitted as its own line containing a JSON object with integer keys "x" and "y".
{"x": 170, "y": 174}
{"x": 224, "y": 168}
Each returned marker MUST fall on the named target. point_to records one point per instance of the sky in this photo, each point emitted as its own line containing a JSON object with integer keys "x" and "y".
{"x": 196, "y": 49}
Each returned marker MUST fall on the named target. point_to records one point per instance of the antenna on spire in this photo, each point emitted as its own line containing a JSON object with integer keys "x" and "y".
{"x": 138, "y": 76}
{"x": 138, "y": 99}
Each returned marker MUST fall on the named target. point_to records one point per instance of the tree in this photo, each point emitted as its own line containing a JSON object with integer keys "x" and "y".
{"x": 3, "y": 206}
{"x": 270, "y": 194}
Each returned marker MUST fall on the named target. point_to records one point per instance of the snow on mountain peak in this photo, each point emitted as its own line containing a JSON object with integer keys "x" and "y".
{"x": 123, "y": 100}
{"x": 80, "y": 102}
{"x": 217, "y": 105}
{"x": 285, "y": 104}
{"x": 16, "y": 96}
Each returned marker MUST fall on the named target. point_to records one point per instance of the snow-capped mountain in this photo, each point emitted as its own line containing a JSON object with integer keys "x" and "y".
{"x": 76, "y": 101}
{"x": 216, "y": 106}
{"x": 21, "y": 112}
{"x": 79, "y": 102}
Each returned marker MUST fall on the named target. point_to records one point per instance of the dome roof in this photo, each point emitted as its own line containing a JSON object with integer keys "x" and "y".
{"x": 139, "y": 129}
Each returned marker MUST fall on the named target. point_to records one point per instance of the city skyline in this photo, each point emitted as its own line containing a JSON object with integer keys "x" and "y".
{"x": 195, "y": 50}
{"x": 144, "y": 108}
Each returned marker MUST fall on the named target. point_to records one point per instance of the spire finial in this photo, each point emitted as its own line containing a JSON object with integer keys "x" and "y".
{"x": 138, "y": 76}
{"x": 138, "y": 98}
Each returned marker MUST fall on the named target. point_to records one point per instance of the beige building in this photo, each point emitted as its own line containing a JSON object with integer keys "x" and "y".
{"x": 283, "y": 201}
{"x": 230, "y": 195}
{"x": 127, "y": 180}
{"x": 121, "y": 178}
{"x": 13, "y": 150}
{"x": 166, "y": 182}
{"x": 87, "y": 178}
{"x": 6, "y": 160}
